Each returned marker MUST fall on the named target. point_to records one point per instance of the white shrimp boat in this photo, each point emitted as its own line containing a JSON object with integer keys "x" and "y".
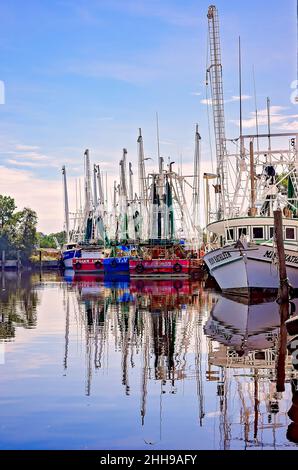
{"x": 243, "y": 267}
{"x": 256, "y": 175}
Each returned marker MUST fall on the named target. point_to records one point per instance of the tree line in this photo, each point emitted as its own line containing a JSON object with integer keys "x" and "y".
{"x": 18, "y": 231}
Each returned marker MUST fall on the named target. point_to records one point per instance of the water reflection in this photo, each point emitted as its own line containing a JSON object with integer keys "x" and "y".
{"x": 121, "y": 363}
{"x": 156, "y": 320}
{"x": 18, "y": 304}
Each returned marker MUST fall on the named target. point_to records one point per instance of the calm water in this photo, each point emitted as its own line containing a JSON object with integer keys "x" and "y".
{"x": 146, "y": 365}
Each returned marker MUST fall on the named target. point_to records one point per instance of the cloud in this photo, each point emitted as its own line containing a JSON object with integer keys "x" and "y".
{"x": 45, "y": 197}
{"x": 287, "y": 122}
{"x": 26, "y": 147}
{"x": 165, "y": 11}
{"x": 289, "y": 126}
{"x": 196, "y": 93}
{"x": 32, "y": 156}
{"x": 31, "y": 164}
{"x": 233, "y": 99}
{"x": 135, "y": 73}
{"x": 206, "y": 101}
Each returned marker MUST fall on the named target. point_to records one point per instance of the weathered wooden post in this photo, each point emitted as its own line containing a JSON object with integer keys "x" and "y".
{"x": 3, "y": 261}
{"x": 282, "y": 349}
{"x": 18, "y": 260}
{"x": 283, "y": 301}
{"x": 40, "y": 258}
{"x": 279, "y": 240}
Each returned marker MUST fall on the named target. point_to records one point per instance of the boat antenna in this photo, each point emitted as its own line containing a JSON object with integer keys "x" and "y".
{"x": 256, "y": 106}
{"x": 157, "y": 136}
{"x": 269, "y": 126}
{"x": 240, "y": 100}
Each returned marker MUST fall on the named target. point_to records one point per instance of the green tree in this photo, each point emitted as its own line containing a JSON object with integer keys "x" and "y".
{"x": 26, "y": 238}
{"x": 49, "y": 241}
{"x": 7, "y": 208}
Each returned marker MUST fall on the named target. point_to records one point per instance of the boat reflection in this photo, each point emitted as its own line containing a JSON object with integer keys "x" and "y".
{"x": 156, "y": 322}
{"x": 172, "y": 348}
{"x": 248, "y": 345}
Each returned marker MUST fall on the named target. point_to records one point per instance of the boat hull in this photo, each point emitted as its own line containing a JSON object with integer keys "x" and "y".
{"x": 88, "y": 265}
{"x": 243, "y": 326}
{"x": 116, "y": 266}
{"x": 242, "y": 272}
{"x": 67, "y": 257}
{"x": 159, "y": 267}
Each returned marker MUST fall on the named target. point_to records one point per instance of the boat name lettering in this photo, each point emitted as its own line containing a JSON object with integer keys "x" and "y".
{"x": 288, "y": 258}
{"x": 219, "y": 258}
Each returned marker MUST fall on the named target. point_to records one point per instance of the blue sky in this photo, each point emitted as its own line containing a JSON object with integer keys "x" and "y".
{"x": 87, "y": 74}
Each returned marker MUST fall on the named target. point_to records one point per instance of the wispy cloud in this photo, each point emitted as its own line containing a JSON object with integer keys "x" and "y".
{"x": 233, "y": 99}
{"x": 286, "y": 122}
{"x": 32, "y": 156}
{"x": 26, "y": 147}
{"x": 166, "y": 11}
{"x": 136, "y": 72}
{"x": 31, "y": 164}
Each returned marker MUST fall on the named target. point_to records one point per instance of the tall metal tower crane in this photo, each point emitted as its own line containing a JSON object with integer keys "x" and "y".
{"x": 214, "y": 73}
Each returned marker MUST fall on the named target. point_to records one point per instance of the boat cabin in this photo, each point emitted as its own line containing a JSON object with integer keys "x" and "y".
{"x": 258, "y": 230}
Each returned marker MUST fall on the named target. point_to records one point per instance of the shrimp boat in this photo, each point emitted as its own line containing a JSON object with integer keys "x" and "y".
{"x": 168, "y": 260}
{"x": 252, "y": 182}
{"x": 150, "y": 233}
{"x": 90, "y": 261}
{"x": 170, "y": 226}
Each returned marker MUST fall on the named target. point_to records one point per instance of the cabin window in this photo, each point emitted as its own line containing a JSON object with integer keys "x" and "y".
{"x": 258, "y": 233}
{"x": 271, "y": 233}
{"x": 242, "y": 232}
{"x": 290, "y": 233}
{"x": 230, "y": 234}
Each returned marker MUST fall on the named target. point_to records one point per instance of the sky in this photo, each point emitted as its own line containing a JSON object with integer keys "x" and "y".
{"x": 88, "y": 74}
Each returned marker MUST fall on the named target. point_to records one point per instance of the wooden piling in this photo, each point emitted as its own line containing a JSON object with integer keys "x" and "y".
{"x": 18, "y": 260}
{"x": 284, "y": 283}
{"x": 282, "y": 349}
{"x": 3, "y": 261}
{"x": 283, "y": 301}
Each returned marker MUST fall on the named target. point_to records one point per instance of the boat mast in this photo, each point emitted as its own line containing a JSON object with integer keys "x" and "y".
{"x": 131, "y": 195}
{"x": 142, "y": 188}
{"x": 196, "y": 182}
{"x": 123, "y": 198}
{"x": 95, "y": 185}
{"x": 87, "y": 183}
{"x": 66, "y": 206}
{"x": 100, "y": 188}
